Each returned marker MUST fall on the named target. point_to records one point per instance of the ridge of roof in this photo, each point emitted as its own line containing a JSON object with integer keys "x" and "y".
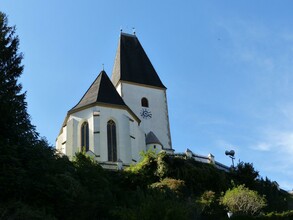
{"x": 132, "y": 63}
{"x": 127, "y": 34}
{"x": 101, "y": 90}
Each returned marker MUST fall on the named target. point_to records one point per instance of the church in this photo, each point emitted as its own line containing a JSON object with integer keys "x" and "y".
{"x": 118, "y": 118}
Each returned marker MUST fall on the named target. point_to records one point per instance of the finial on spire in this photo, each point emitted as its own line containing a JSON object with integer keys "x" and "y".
{"x": 103, "y": 66}
{"x": 121, "y": 29}
{"x": 133, "y": 31}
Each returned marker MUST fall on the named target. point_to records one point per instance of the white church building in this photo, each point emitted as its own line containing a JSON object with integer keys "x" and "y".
{"x": 118, "y": 118}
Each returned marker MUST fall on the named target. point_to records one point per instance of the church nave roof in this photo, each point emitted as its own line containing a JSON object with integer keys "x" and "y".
{"x": 101, "y": 91}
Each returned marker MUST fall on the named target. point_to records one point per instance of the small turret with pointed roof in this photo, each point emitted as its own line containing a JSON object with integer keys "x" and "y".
{"x": 151, "y": 138}
{"x": 132, "y": 63}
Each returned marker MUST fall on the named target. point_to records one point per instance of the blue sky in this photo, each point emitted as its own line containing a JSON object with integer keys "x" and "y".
{"x": 228, "y": 67}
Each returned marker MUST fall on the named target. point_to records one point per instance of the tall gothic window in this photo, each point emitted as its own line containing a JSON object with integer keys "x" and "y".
{"x": 144, "y": 102}
{"x": 84, "y": 136}
{"x": 112, "y": 142}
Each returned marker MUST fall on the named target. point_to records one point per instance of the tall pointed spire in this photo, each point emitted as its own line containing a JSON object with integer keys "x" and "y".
{"x": 132, "y": 64}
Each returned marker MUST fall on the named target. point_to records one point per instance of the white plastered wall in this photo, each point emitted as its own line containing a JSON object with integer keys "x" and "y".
{"x": 159, "y": 122}
{"x": 154, "y": 147}
{"x": 127, "y": 130}
{"x": 60, "y": 144}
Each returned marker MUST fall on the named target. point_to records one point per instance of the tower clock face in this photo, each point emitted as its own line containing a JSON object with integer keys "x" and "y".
{"x": 145, "y": 113}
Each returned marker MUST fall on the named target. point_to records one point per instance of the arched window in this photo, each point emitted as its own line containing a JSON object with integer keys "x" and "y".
{"x": 144, "y": 102}
{"x": 84, "y": 136}
{"x": 112, "y": 142}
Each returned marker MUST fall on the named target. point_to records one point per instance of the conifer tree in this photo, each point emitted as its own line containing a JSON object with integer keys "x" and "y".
{"x": 15, "y": 125}
{"x": 17, "y": 134}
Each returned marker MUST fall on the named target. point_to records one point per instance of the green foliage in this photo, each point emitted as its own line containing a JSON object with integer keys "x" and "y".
{"x": 208, "y": 204}
{"x": 245, "y": 173}
{"x": 206, "y": 200}
{"x": 19, "y": 210}
{"x": 154, "y": 204}
{"x": 242, "y": 200}
{"x": 198, "y": 177}
{"x": 144, "y": 172}
{"x": 284, "y": 215}
{"x": 276, "y": 198}
{"x": 168, "y": 184}
{"x": 16, "y": 127}
{"x": 97, "y": 195}
{"x": 158, "y": 196}
{"x": 146, "y": 165}
{"x": 162, "y": 166}
{"x": 288, "y": 215}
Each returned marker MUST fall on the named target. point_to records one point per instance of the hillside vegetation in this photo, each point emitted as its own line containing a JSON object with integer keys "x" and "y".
{"x": 36, "y": 182}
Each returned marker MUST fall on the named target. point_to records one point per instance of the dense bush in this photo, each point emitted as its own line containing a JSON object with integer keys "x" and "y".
{"x": 241, "y": 200}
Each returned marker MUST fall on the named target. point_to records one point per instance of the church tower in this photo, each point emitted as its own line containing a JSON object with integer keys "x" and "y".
{"x": 140, "y": 87}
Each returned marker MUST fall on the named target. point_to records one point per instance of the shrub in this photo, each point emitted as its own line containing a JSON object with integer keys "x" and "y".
{"x": 241, "y": 200}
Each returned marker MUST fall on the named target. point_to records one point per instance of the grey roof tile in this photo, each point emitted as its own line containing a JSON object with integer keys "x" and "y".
{"x": 102, "y": 91}
{"x": 151, "y": 138}
{"x": 132, "y": 63}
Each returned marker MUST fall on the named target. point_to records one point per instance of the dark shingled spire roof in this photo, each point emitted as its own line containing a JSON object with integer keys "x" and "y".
{"x": 132, "y": 64}
{"x": 102, "y": 91}
{"x": 151, "y": 138}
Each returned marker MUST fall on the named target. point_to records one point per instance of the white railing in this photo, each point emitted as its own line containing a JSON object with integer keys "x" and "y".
{"x": 210, "y": 159}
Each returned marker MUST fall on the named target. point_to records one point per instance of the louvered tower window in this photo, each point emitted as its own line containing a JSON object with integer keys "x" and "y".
{"x": 112, "y": 142}
{"x": 85, "y": 136}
